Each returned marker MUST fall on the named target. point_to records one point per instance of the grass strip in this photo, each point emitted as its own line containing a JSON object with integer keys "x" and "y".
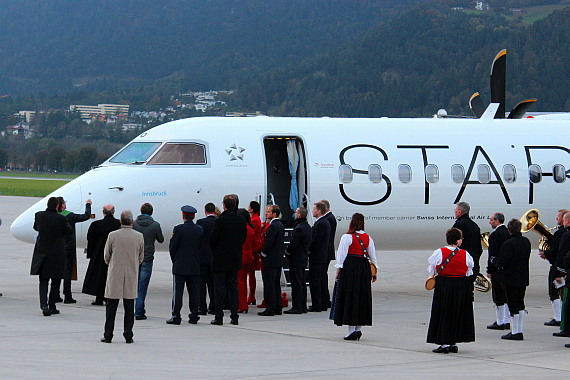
{"x": 29, "y": 187}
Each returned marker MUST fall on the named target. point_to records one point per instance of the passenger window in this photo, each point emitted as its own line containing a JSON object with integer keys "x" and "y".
{"x": 345, "y": 173}
{"x": 483, "y": 173}
{"x": 135, "y": 153}
{"x": 375, "y": 173}
{"x": 405, "y": 173}
{"x": 534, "y": 173}
{"x": 457, "y": 173}
{"x": 180, "y": 154}
{"x": 559, "y": 172}
{"x": 510, "y": 173}
{"x": 432, "y": 173}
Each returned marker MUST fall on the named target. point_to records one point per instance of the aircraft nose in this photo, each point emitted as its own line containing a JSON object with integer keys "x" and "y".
{"x": 23, "y": 228}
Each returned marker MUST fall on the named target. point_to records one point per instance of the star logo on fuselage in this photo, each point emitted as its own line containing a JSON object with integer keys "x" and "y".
{"x": 235, "y": 152}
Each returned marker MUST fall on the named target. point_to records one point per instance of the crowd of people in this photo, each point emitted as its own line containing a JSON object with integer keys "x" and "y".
{"x": 216, "y": 257}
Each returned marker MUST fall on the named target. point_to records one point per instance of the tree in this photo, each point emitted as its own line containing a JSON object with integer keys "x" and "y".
{"x": 86, "y": 158}
{"x": 41, "y": 158}
{"x": 54, "y": 157}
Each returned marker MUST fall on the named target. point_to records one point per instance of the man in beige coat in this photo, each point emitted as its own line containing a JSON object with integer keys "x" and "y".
{"x": 124, "y": 252}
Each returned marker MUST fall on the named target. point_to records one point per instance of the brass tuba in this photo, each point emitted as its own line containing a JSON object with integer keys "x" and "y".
{"x": 530, "y": 221}
{"x": 482, "y": 283}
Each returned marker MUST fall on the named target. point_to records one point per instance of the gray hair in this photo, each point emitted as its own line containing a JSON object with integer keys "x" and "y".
{"x": 464, "y": 207}
{"x": 126, "y": 218}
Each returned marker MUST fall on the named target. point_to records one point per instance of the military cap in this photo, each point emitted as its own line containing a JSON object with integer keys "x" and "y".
{"x": 188, "y": 210}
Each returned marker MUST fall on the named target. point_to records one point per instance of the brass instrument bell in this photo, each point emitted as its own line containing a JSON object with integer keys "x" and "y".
{"x": 530, "y": 222}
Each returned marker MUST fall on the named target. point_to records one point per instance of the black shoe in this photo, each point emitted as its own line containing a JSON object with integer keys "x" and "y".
{"x": 355, "y": 335}
{"x": 292, "y": 311}
{"x": 46, "y": 312}
{"x": 53, "y": 311}
{"x": 496, "y": 326}
{"x": 278, "y": 312}
{"x": 552, "y": 322}
{"x": 567, "y": 345}
{"x": 561, "y": 334}
{"x": 98, "y": 303}
{"x": 174, "y": 321}
{"x": 217, "y": 322}
{"x": 105, "y": 340}
{"x": 69, "y": 300}
{"x": 510, "y": 336}
{"x": 202, "y": 312}
{"x": 311, "y": 309}
{"x": 305, "y": 311}
{"x": 266, "y": 314}
{"x": 211, "y": 312}
{"x": 128, "y": 341}
{"x": 193, "y": 320}
{"x": 58, "y": 299}
{"x": 140, "y": 317}
{"x": 453, "y": 349}
{"x": 506, "y": 326}
{"x": 441, "y": 350}
{"x": 234, "y": 321}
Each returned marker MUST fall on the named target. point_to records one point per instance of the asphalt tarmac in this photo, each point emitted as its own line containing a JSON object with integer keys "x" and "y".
{"x": 282, "y": 347}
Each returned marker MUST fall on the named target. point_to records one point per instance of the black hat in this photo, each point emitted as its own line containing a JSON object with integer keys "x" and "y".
{"x": 188, "y": 210}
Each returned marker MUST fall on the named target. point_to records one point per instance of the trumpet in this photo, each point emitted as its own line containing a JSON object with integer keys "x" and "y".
{"x": 530, "y": 222}
{"x": 482, "y": 283}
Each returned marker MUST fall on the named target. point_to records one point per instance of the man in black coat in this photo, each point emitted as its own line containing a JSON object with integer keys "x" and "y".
{"x": 318, "y": 256}
{"x": 70, "y": 245}
{"x": 96, "y": 274}
{"x": 550, "y": 254}
{"x": 297, "y": 254}
{"x": 326, "y": 298}
{"x": 563, "y": 251}
{"x": 471, "y": 235}
{"x": 272, "y": 258}
{"x": 496, "y": 240}
{"x": 228, "y": 235}
{"x": 48, "y": 260}
{"x": 206, "y": 275}
{"x": 184, "y": 250}
{"x": 513, "y": 260}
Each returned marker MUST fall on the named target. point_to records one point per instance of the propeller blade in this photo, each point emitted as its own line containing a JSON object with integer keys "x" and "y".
{"x": 476, "y": 105}
{"x": 498, "y": 79}
{"x": 520, "y": 109}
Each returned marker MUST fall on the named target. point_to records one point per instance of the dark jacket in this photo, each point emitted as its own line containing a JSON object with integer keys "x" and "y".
{"x": 72, "y": 218}
{"x": 320, "y": 242}
{"x": 207, "y": 224}
{"x": 228, "y": 235}
{"x": 551, "y": 253}
{"x": 96, "y": 275}
{"x": 332, "y": 222}
{"x": 151, "y": 231}
{"x": 185, "y": 248}
{"x": 48, "y": 259}
{"x": 563, "y": 250}
{"x": 496, "y": 240}
{"x": 273, "y": 245}
{"x": 513, "y": 260}
{"x": 298, "y": 249}
{"x": 471, "y": 238}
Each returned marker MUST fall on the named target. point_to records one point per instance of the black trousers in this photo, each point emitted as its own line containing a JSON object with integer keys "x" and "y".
{"x": 129, "y": 320}
{"x": 272, "y": 289}
{"x": 70, "y": 257}
{"x": 225, "y": 282}
{"x": 316, "y": 271}
{"x": 53, "y": 293}
{"x": 553, "y": 292}
{"x": 206, "y": 284}
{"x": 325, "y": 295}
{"x": 192, "y": 285}
{"x": 498, "y": 289}
{"x": 298, "y": 288}
{"x": 515, "y": 298}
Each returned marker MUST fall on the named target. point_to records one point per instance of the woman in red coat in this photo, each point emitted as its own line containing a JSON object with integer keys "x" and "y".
{"x": 247, "y": 260}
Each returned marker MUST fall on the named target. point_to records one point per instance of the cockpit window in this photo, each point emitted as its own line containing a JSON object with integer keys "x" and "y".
{"x": 137, "y": 152}
{"x": 180, "y": 154}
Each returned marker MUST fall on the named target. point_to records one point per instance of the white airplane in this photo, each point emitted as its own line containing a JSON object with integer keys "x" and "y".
{"x": 404, "y": 175}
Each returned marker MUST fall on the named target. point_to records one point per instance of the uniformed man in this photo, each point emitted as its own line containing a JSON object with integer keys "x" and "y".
{"x": 185, "y": 255}
{"x": 496, "y": 240}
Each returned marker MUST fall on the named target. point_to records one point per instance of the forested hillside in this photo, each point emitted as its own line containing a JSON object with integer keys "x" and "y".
{"x": 430, "y": 57}
{"x": 56, "y": 46}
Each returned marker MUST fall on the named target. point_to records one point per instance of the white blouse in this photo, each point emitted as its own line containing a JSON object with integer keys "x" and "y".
{"x": 437, "y": 256}
{"x": 345, "y": 242}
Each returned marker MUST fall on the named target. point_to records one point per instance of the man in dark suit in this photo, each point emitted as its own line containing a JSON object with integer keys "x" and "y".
{"x": 96, "y": 275}
{"x": 471, "y": 235}
{"x": 318, "y": 256}
{"x": 563, "y": 251}
{"x": 184, "y": 250}
{"x": 272, "y": 258}
{"x": 513, "y": 260}
{"x": 297, "y": 254}
{"x": 48, "y": 260}
{"x": 70, "y": 245}
{"x": 228, "y": 235}
{"x": 326, "y": 299}
{"x": 206, "y": 276}
{"x": 550, "y": 254}
{"x": 496, "y": 240}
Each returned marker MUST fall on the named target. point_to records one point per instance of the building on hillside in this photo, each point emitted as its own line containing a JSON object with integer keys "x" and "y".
{"x": 482, "y": 6}
{"x": 89, "y": 112}
{"x": 21, "y": 128}
{"x": 26, "y": 116}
